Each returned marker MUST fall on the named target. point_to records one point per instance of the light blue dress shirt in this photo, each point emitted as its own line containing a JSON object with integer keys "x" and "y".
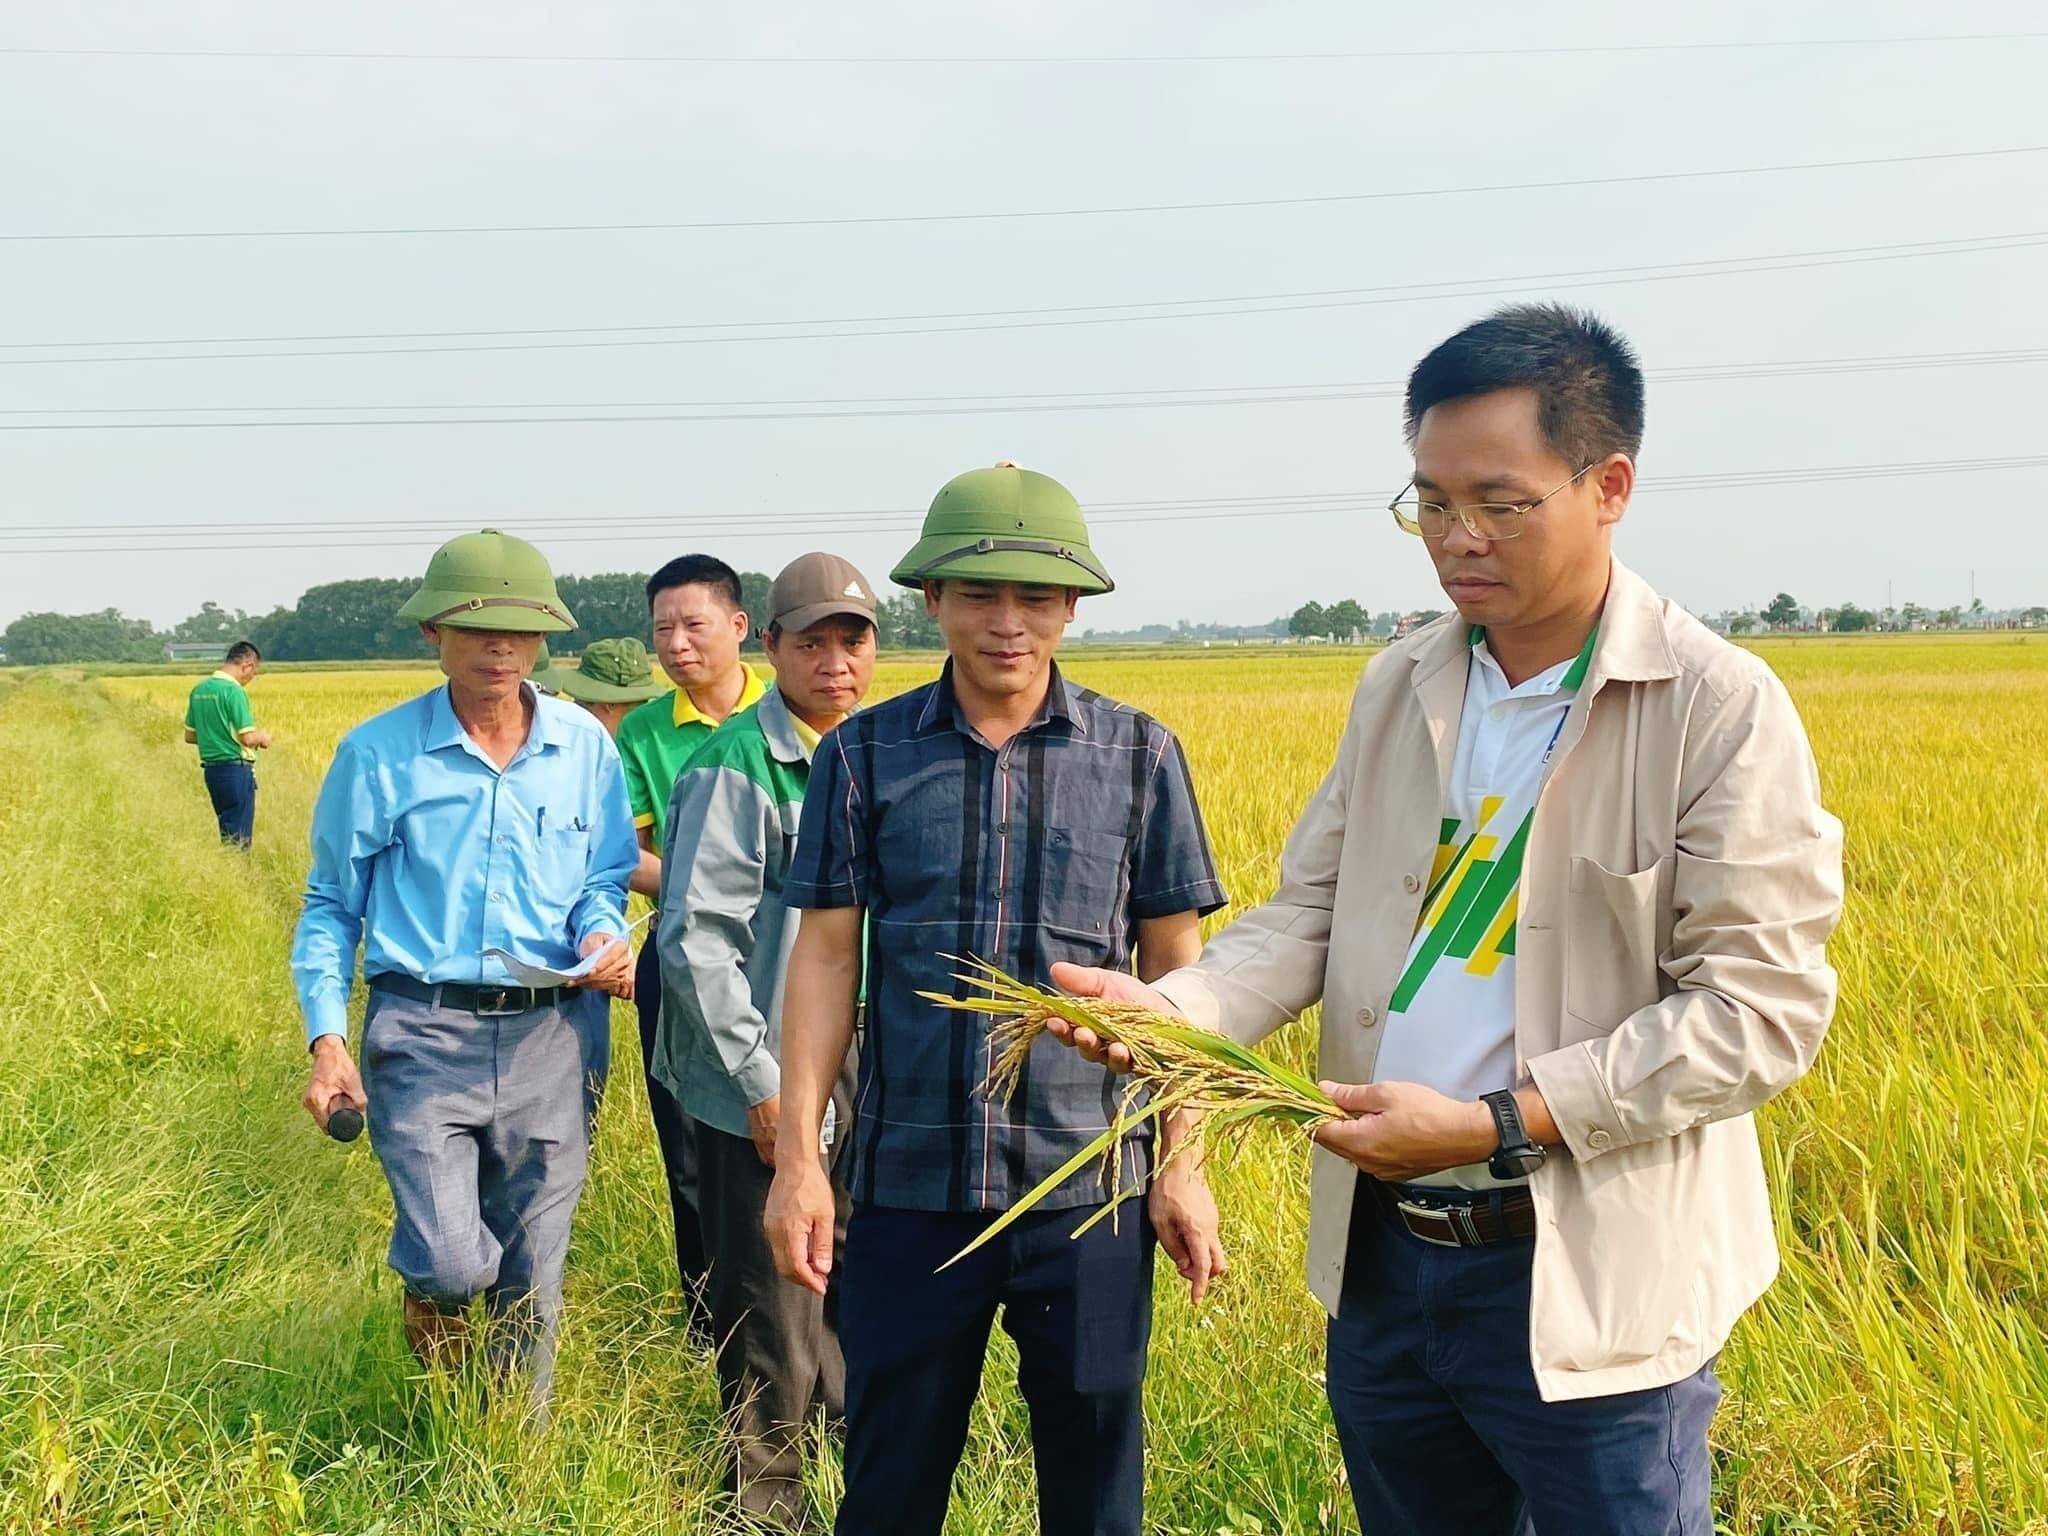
{"x": 428, "y": 854}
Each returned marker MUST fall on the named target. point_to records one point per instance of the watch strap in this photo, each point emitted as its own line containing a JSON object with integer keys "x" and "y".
{"x": 1507, "y": 1119}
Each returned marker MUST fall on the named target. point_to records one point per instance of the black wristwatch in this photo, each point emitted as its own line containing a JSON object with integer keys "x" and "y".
{"x": 1517, "y": 1156}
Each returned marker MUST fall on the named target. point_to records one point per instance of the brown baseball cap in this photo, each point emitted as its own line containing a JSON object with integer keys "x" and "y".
{"x": 819, "y": 586}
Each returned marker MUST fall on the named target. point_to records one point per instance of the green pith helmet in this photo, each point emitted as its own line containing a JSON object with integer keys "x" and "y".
{"x": 489, "y": 580}
{"x": 1004, "y": 524}
{"x": 543, "y": 675}
{"x": 611, "y": 672}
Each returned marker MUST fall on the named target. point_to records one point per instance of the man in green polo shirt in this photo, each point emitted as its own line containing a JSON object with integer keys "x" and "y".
{"x": 610, "y": 679}
{"x": 699, "y": 624}
{"x": 219, "y": 722}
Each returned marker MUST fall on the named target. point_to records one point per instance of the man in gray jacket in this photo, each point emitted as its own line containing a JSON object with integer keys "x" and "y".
{"x": 725, "y": 938}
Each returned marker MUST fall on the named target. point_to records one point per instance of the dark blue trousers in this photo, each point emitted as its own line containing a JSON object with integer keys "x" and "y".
{"x": 232, "y": 788}
{"x": 1443, "y": 1431}
{"x": 914, "y": 1340}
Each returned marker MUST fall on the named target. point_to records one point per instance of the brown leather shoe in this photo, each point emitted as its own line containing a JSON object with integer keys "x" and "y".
{"x": 437, "y": 1338}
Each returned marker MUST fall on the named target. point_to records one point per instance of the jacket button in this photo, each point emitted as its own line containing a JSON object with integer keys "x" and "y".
{"x": 1367, "y": 1017}
{"x": 1410, "y": 884}
{"x": 1599, "y": 1140}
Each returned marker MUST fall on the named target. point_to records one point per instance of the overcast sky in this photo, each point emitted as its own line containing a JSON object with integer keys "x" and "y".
{"x": 136, "y": 144}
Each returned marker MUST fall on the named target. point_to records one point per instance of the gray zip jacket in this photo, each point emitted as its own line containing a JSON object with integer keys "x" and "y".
{"x": 725, "y": 934}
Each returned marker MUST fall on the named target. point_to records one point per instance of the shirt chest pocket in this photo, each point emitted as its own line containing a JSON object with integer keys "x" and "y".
{"x": 563, "y": 859}
{"x": 1617, "y": 935}
{"x": 1083, "y": 878}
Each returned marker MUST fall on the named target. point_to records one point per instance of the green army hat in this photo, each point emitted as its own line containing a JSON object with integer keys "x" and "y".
{"x": 543, "y": 676}
{"x": 1004, "y": 524}
{"x": 489, "y": 580}
{"x": 611, "y": 672}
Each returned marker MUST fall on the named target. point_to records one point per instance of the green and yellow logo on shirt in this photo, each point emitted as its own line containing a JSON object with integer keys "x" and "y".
{"x": 1474, "y": 897}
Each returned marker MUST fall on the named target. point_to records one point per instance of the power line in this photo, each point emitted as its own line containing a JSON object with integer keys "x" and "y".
{"x": 1120, "y": 210}
{"x": 902, "y": 406}
{"x": 1314, "y": 57}
{"x": 900, "y": 520}
{"x": 1189, "y": 309}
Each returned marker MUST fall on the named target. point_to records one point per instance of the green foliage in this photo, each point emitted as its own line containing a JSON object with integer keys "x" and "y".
{"x": 1782, "y": 612}
{"x": 1849, "y": 619}
{"x": 1310, "y": 621}
{"x": 903, "y": 624}
{"x": 44, "y": 639}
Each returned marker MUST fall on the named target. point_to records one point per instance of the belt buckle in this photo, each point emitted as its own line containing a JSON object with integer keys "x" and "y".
{"x": 1462, "y": 1231}
{"x": 501, "y": 1002}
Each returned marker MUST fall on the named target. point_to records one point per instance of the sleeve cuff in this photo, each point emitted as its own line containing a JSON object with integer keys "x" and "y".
{"x": 1572, "y": 1086}
{"x": 1189, "y": 992}
{"x": 803, "y": 894}
{"x": 758, "y": 1079}
{"x": 645, "y": 819}
{"x": 326, "y": 1016}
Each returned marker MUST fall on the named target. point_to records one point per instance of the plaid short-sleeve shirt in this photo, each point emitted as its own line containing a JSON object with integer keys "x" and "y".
{"x": 1050, "y": 848}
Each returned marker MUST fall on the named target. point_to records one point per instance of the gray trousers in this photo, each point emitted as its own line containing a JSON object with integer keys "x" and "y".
{"x": 480, "y": 1124}
{"x": 779, "y": 1366}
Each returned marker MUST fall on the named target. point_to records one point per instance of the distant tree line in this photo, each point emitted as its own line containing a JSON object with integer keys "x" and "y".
{"x": 356, "y": 621}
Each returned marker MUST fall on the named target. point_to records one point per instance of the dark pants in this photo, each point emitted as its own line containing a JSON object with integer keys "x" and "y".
{"x": 1081, "y": 1313}
{"x": 676, "y": 1134}
{"x": 779, "y": 1366}
{"x": 232, "y": 788}
{"x": 1442, "y": 1428}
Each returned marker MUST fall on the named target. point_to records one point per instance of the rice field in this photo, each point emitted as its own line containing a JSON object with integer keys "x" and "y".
{"x": 197, "y": 1333}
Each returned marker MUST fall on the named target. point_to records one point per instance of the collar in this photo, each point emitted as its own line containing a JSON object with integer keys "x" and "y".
{"x": 687, "y": 712}
{"x": 228, "y": 677}
{"x": 443, "y": 730}
{"x": 779, "y": 729}
{"x": 942, "y": 706}
{"x": 1629, "y": 644}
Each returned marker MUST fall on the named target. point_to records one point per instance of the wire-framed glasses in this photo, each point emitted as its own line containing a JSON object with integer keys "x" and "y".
{"x": 1491, "y": 520}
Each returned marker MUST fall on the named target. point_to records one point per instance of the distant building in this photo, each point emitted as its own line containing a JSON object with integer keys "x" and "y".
{"x": 194, "y": 650}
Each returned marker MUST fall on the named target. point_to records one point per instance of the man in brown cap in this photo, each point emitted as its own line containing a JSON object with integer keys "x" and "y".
{"x": 724, "y": 940}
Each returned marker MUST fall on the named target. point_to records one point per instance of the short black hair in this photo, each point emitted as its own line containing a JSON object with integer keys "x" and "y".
{"x": 243, "y": 650}
{"x": 697, "y": 571}
{"x": 1588, "y": 384}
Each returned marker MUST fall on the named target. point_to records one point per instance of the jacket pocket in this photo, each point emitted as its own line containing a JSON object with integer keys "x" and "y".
{"x": 1617, "y": 931}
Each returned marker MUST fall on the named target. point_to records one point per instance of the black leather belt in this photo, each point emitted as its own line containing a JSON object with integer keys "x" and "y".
{"x": 486, "y": 1002}
{"x": 1461, "y": 1218}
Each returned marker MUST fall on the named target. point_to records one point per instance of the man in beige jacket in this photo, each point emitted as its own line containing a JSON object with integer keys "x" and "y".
{"x": 1564, "y": 899}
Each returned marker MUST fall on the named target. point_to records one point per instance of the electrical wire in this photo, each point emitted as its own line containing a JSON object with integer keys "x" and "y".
{"x": 1309, "y": 300}
{"x": 1306, "y": 57}
{"x": 899, "y": 520}
{"x": 836, "y": 221}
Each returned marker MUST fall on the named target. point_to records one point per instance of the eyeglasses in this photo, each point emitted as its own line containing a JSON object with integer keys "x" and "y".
{"x": 1490, "y": 520}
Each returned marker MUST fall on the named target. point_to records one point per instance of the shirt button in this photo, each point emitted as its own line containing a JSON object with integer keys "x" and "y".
{"x": 1599, "y": 1140}
{"x": 1002, "y": 829}
{"x": 1367, "y": 1017}
{"x": 1410, "y": 884}
{"x": 497, "y": 898}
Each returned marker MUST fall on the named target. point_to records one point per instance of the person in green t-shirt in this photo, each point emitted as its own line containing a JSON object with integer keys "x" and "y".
{"x": 699, "y": 623}
{"x": 219, "y": 722}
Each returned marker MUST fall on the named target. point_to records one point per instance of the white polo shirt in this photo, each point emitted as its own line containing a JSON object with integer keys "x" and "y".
{"x": 1451, "y": 1021}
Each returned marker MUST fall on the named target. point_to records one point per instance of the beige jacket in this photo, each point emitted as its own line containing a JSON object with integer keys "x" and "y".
{"x": 1679, "y": 886}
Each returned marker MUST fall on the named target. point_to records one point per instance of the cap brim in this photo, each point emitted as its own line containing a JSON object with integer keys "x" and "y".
{"x": 815, "y": 613}
{"x": 588, "y": 690}
{"x": 1026, "y": 567}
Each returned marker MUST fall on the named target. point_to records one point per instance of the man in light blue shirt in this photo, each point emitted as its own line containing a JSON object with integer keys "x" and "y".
{"x": 466, "y": 839}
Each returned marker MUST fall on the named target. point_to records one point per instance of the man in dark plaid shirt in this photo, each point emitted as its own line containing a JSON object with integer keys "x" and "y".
{"x": 1007, "y": 814}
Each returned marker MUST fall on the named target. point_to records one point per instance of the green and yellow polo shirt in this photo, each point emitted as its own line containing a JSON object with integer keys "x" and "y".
{"x": 660, "y": 736}
{"x": 217, "y": 712}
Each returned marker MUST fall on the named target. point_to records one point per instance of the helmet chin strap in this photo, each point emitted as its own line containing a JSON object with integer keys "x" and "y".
{"x": 1028, "y": 546}
{"x": 478, "y": 604}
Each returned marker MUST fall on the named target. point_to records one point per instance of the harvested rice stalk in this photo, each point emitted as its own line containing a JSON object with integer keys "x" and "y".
{"x": 1227, "y": 1085}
